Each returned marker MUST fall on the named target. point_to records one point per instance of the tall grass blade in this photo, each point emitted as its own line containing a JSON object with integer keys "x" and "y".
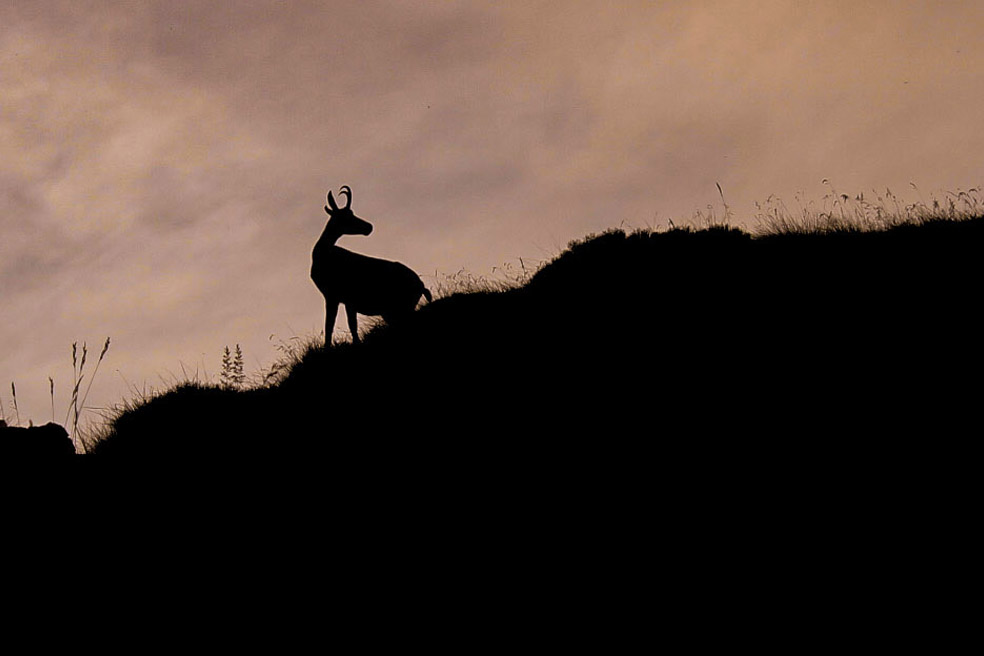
{"x": 13, "y": 391}
{"x": 95, "y": 370}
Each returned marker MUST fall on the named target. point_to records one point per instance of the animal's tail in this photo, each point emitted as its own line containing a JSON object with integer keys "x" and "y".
{"x": 427, "y": 295}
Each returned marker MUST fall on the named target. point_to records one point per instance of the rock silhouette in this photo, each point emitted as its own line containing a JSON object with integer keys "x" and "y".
{"x": 48, "y": 441}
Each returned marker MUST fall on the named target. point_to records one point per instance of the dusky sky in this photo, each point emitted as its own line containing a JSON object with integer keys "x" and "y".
{"x": 163, "y": 165}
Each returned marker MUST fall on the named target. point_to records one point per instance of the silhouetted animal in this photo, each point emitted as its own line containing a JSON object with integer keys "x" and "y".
{"x": 365, "y": 285}
{"x": 48, "y": 441}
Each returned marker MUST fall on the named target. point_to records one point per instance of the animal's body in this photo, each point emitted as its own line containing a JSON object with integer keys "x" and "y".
{"x": 364, "y": 285}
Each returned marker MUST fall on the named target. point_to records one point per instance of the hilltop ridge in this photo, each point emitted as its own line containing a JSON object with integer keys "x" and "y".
{"x": 624, "y": 341}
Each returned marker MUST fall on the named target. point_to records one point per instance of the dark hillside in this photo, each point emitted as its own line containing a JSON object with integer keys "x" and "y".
{"x": 629, "y": 352}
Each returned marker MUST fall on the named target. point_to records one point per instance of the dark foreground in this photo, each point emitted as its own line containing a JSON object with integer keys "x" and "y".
{"x": 729, "y": 438}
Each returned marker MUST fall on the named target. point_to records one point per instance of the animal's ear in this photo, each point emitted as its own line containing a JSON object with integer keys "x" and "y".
{"x": 331, "y": 203}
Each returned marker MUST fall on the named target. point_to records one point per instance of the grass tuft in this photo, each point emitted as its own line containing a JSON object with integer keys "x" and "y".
{"x": 874, "y": 212}
{"x": 501, "y": 278}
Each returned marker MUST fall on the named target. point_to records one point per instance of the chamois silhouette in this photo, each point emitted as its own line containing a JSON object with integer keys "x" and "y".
{"x": 365, "y": 285}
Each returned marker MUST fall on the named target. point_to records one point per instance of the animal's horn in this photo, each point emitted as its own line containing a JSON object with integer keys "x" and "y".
{"x": 346, "y": 191}
{"x": 331, "y": 203}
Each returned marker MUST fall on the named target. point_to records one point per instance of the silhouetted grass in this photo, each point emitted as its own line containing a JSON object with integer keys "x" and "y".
{"x": 878, "y": 211}
{"x": 78, "y": 435}
{"x": 625, "y": 348}
{"x": 507, "y": 276}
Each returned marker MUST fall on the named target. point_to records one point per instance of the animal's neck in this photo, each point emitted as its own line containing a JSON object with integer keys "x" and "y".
{"x": 329, "y": 236}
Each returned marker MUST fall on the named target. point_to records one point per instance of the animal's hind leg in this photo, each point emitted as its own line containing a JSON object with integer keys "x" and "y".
{"x": 353, "y": 323}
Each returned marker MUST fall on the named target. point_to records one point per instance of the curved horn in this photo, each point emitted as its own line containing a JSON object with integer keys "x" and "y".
{"x": 346, "y": 191}
{"x": 331, "y": 203}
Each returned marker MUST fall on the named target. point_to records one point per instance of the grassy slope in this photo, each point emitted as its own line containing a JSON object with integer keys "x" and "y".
{"x": 625, "y": 343}
{"x": 737, "y": 435}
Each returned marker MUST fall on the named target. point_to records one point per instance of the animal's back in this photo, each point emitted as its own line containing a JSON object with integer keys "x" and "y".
{"x": 390, "y": 288}
{"x": 367, "y": 285}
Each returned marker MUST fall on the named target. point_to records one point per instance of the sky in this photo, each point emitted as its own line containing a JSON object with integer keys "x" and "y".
{"x": 164, "y": 165}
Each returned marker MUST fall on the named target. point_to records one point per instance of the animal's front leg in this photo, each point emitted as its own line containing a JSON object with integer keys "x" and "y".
{"x": 353, "y": 322}
{"x": 331, "y": 311}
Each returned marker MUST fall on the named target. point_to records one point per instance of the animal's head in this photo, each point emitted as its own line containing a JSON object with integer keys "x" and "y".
{"x": 343, "y": 218}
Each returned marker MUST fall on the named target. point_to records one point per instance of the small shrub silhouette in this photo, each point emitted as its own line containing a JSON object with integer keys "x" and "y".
{"x": 232, "y": 374}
